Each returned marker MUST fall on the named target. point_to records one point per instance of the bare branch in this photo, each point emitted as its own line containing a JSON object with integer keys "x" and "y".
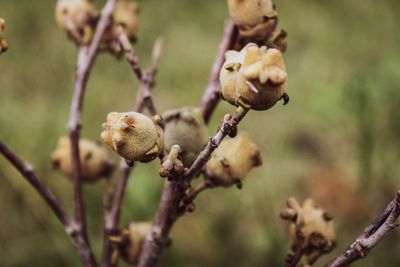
{"x": 226, "y": 128}
{"x": 167, "y": 214}
{"x": 70, "y": 226}
{"x": 86, "y": 60}
{"x": 30, "y": 175}
{"x": 371, "y": 236}
{"x": 130, "y": 55}
{"x": 211, "y": 95}
{"x": 204, "y": 185}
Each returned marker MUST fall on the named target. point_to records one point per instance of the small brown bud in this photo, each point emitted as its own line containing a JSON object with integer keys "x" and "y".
{"x": 77, "y": 18}
{"x": 129, "y": 243}
{"x": 133, "y": 136}
{"x": 186, "y": 128}
{"x": 259, "y": 79}
{"x": 125, "y": 15}
{"x": 95, "y": 163}
{"x": 256, "y": 19}
{"x": 233, "y": 160}
{"x": 3, "y": 42}
{"x": 311, "y": 228}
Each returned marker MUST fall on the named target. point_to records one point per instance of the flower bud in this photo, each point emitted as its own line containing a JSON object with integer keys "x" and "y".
{"x": 129, "y": 243}
{"x": 3, "y": 42}
{"x": 77, "y": 18}
{"x": 133, "y": 136}
{"x": 311, "y": 227}
{"x": 126, "y": 15}
{"x": 255, "y": 18}
{"x": 185, "y": 127}
{"x": 254, "y": 78}
{"x": 95, "y": 163}
{"x": 233, "y": 160}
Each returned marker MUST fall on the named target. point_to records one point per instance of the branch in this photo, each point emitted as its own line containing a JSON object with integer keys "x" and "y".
{"x": 371, "y": 236}
{"x": 174, "y": 193}
{"x": 229, "y": 125}
{"x": 70, "y": 226}
{"x": 211, "y": 96}
{"x": 86, "y": 58}
{"x": 30, "y": 175}
{"x": 165, "y": 218}
{"x": 143, "y": 99}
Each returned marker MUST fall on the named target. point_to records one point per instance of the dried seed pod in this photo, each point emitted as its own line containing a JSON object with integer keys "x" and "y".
{"x": 3, "y": 42}
{"x": 134, "y": 136}
{"x": 126, "y": 15}
{"x": 77, "y": 18}
{"x": 185, "y": 127}
{"x": 95, "y": 163}
{"x": 256, "y": 19}
{"x": 128, "y": 243}
{"x": 311, "y": 228}
{"x": 233, "y": 160}
{"x": 254, "y": 78}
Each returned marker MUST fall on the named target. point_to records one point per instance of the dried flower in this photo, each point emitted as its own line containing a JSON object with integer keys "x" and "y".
{"x": 256, "y": 19}
{"x": 126, "y": 15}
{"x": 311, "y": 229}
{"x": 233, "y": 160}
{"x": 129, "y": 243}
{"x": 134, "y": 136}
{"x": 77, "y": 18}
{"x": 3, "y": 42}
{"x": 95, "y": 163}
{"x": 254, "y": 78}
{"x": 185, "y": 127}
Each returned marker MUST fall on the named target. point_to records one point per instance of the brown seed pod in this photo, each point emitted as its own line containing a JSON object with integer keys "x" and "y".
{"x": 233, "y": 160}
{"x": 134, "y": 136}
{"x": 128, "y": 243}
{"x": 95, "y": 163}
{"x": 185, "y": 127}
{"x": 3, "y": 42}
{"x": 254, "y": 78}
{"x": 311, "y": 228}
{"x": 256, "y": 19}
{"x": 125, "y": 15}
{"x": 77, "y": 18}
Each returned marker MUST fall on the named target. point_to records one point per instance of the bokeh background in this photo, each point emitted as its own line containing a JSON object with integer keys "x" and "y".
{"x": 337, "y": 140}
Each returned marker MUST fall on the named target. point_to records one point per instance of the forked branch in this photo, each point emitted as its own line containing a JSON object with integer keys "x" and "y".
{"x": 371, "y": 236}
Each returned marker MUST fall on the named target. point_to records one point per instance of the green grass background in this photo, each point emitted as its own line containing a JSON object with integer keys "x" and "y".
{"x": 344, "y": 72}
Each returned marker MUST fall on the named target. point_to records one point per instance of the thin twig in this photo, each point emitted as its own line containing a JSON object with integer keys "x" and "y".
{"x": 86, "y": 60}
{"x": 227, "y": 127}
{"x": 30, "y": 175}
{"x": 70, "y": 226}
{"x": 371, "y": 236}
{"x": 211, "y": 95}
{"x": 204, "y": 185}
{"x": 143, "y": 99}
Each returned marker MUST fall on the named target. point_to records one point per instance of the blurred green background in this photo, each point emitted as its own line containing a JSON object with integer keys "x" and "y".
{"x": 337, "y": 140}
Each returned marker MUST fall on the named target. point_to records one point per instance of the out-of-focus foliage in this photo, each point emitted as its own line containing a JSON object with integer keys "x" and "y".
{"x": 339, "y": 135}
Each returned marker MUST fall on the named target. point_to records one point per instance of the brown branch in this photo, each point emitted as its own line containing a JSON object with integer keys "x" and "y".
{"x": 174, "y": 193}
{"x": 86, "y": 58}
{"x": 30, "y": 175}
{"x": 192, "y": 195}
{"x": 229, "y": 125}
{"x": 371, "y": 236}
{"x": 166, "y": 215}
{"x": 143, "y": 99}
{"x": 70, "y": 226}
{"x": 211, "y": 95}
